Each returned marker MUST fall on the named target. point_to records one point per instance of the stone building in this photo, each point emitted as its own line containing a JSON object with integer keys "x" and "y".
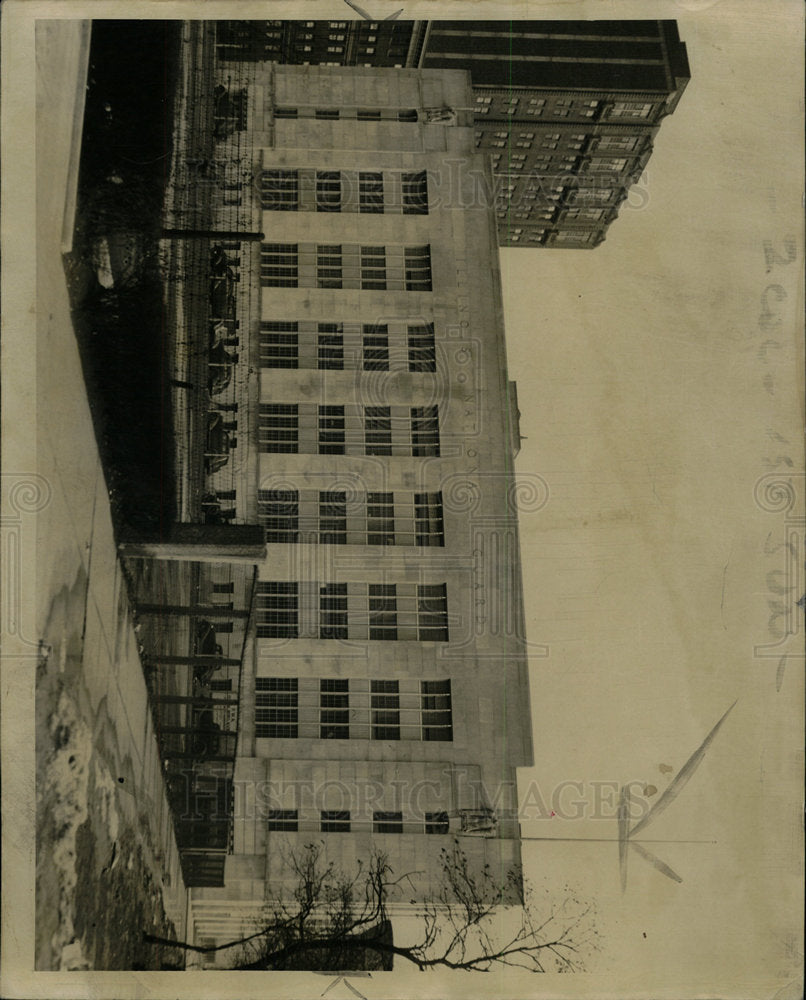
{"x": 567, "y": 111}
{"x": 386, "y": 700}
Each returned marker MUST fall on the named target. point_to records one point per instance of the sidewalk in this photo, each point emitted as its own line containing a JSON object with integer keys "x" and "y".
{"x": 108, "y": 864}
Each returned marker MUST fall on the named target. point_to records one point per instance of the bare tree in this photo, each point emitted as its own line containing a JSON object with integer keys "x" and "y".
{"x": 334, "y": 921}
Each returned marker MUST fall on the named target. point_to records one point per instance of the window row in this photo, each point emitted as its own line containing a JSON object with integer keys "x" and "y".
{"x": 333, "y": 517}
{"x": 378, "y": 611}
{"x": 361, "y": 114}
{"x": 308, "y": 265}
{"x": 345, "y": 709}
{"x": 537, "y": 107}
{"x": 339, "y": 821}
{"x": 339, "y": 346}
{"x": 373, "y": 192}
{"x": 309, "y": 429}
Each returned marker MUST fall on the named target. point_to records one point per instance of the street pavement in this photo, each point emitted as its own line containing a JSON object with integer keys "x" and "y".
{"x": 107, "y": 863}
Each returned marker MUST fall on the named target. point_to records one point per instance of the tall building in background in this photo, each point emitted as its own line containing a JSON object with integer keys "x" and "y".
{"x": 567, "y": 111}
{"x": 385, "y": 703}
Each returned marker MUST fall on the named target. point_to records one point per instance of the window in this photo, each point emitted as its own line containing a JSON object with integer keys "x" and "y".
{"x": 333, "y": 611}
{"x": 385, "y": 708}
{"x": 330, "y": 345}
{"x": 373, "y": 267}
{"x": 279, "y": 345}
{"x": 437, "y": 719}
{"x": 630, "y": 109}
{"x": 415, "y": 193}
{"x": 380, "y": 519}
{"x": 278, "y": 428}
{"x": 285, "y": 112}
{"x": 432, "y": 612}
{"x": 437, "y": 822}
{"x": 334, "y": 709}
{"x": 279, "y": 190}
{"x": 418, "y": 268}
{"x": 328, "y": 191}
{"x": 424, "y": 431}
{"x": 277, "y": 610}
{"x": 276, "y": 701}
{"x": 370, "y": 191}
{"x": 368, "y": 114}
{"x": 331, "y": 430}
{"x": 279, "y": 265}
{"x": 625, "y": 142}
{"x": 382, "y": 611}
{"x": 334, "y": 821}
{"x": 428, "y": 523}
{"x": 278, "y": 512}
{"x": 387, "y": 822}
{"x": 333, "y": 521}
{"x": 422, "y": 351}
{"x": 407, "y": 115}
{"x": 376, "y": 348}
{"x": 283, "y": 819}
{"x": 377, "y": 430}
{"x": 330, "y": 113}
{"x": 328, "y": 266}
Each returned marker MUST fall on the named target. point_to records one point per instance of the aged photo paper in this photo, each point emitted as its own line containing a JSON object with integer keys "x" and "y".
{"x": 426, "y": 380}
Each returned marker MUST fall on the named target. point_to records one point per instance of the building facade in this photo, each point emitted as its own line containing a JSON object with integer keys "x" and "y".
{"x": 386, "y": 704}
{"x": 567, "y": 111}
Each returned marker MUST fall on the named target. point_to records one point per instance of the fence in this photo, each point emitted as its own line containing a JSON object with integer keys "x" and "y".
{"x": 193, "y": 624}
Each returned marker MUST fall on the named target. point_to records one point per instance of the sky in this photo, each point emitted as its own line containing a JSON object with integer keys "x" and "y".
{"x": 657, "y": 387}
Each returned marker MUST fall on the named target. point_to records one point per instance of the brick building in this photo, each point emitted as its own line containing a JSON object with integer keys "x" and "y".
{"x": 567, "y": 111}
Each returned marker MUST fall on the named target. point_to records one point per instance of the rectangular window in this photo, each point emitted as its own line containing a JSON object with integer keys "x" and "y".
{"x": 279, "y": 190}
{"x": 428, "y": 523}
{"x": 407, "y": 115}
{"x": 375, "y": 345}
{"x": 373, "y": 267}
{"x": 380, "y": 519}
{"x": 285, "y": 112}
{"x": 329, "y": 113}
{"x": 370, "y": 190}
{"x": 283, "y": 819}
{"x": 333, "y": 611}
{"x": 333, "y": 520}
{"x": 377, "y": 430}
{"x": 279, "y": 264}
{"x": 278, "y": 428}
{"x": 334, "y": 821}
{"x": 331, "y": 430}
{"x": 330, "y": 345}
{"x": 418, "y": 268}
{"x": 334, "y": 709}
{"x": 278, "y": 512}
{"x": 415, "y": 193}
{"x": 437, "y": 715}
{"x": 387, "y": 822}
{"x": 328, "y": 266}
{"x": 276, "y": 707}
{"x": 279, "y": 345}
{"x": 385, "y": 707}
{"x": 382, "y": 611}
{"x": 432, "y": 612}
{"x": 277, "y": 610}
{"x": 368, "y": 114}
{"x": 424, "y": 431}
{"x": 422, "y": 351}
{"x": 437, "y": 822}
{"x": 328, "y": 191}
{"x": 630, "y": 109}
